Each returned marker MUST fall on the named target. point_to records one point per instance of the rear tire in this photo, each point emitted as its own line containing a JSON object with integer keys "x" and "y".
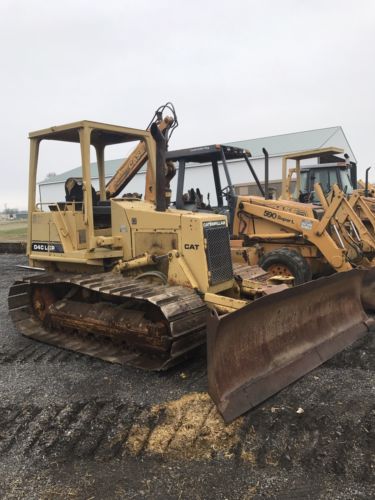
{"x": 286, "y": 261}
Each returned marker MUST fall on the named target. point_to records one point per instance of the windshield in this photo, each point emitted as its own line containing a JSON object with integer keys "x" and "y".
{"x": 326, "y": 177}
{"x": 346, "y": 181}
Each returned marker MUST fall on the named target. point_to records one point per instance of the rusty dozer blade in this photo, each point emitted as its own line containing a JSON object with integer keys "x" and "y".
{"x": 263, "y": 347}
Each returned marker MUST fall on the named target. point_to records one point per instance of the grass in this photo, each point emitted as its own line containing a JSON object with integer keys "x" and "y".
{"x": 13, "y": 230}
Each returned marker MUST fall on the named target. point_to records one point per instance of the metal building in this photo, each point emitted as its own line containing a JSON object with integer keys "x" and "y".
{"x": 52, "y": 189}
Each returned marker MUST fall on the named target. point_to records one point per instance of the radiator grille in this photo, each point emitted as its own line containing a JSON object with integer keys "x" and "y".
{"x": 219, "y": 259}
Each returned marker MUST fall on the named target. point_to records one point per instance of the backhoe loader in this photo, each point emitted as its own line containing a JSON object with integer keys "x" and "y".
{"x": 285, "y": 236}
{"x": 321, "y": 183}
{"x": 144, "y": 283}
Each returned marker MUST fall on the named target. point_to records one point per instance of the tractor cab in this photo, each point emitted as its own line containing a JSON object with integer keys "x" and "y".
{"x": 329, "y": 169}
{"x": 214, "y": 158}
{"x": 325, "y": 174}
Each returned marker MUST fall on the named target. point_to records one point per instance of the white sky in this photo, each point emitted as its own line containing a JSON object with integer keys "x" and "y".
{"x": 234, "y": 70}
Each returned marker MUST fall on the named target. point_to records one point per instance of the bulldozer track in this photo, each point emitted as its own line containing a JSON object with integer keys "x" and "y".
{"x": 182, "y": 309}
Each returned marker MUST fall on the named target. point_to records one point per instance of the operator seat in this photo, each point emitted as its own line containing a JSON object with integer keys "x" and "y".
{"x": 101, "y": 209}
{"x": 74, "y": 191}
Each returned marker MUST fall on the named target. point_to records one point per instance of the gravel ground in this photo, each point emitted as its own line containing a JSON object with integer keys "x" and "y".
{"x": 76, "y": 427}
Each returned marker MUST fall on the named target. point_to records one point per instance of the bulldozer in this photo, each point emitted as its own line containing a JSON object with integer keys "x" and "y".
{"x": 141, "y": 282}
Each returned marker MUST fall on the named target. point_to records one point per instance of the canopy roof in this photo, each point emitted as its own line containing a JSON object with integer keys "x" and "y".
{"x": 102, "y": 133}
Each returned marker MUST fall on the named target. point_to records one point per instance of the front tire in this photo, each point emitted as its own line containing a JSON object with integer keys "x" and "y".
{"x": 285, "y": 261}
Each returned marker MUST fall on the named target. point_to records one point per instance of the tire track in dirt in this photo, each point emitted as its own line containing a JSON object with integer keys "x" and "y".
{"x": 191, "y": 429}
{"x": 41, "y": 353}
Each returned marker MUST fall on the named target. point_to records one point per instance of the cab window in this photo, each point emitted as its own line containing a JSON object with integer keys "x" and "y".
{"x": 346, "y": 183}
{"x": 304, "y": 176}
{"x": 325, "y": 177}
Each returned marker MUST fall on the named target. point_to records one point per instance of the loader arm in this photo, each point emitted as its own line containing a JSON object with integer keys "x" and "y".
{"x": 311, "y": 229}
{"x": 357, "y": 200}
{"x": 341, "y": 211}
{"x": 362, "y": 186}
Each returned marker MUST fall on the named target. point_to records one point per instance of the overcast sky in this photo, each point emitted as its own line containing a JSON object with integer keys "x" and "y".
{"x": 234, "y": 70}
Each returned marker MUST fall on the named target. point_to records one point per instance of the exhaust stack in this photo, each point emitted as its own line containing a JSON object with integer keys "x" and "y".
{"x": 161, "y": 151}
{"x": 266, "y": 173}
{"x": 366, "y": 186}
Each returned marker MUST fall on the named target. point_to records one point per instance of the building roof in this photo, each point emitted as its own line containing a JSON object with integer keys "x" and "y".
{"x": 278, "y": 145}
{"x": 110, "y": 168}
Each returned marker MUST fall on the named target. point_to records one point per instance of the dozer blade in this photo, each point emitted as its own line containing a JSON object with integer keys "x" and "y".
{"x": 270, "y": 343}
{"x": 368, "y": 289}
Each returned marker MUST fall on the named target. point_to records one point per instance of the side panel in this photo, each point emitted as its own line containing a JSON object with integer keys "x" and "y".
{"x": 45, "y": 238}
{"x": 157, "y": 243}
{"x": 64, "y": 227}
{"x": 192, "y": 248}
{"x": 121, "y": 228}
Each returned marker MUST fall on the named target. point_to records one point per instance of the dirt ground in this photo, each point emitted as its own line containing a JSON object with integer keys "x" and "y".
{"x": 72, "y": 427}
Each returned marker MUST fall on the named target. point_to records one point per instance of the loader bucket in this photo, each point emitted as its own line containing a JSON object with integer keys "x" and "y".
{"x": 270, "y": 343}
{"x": 368, "y": 289}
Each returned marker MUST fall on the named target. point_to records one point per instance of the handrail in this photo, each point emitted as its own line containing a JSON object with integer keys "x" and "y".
{"x": 54, "y": 203}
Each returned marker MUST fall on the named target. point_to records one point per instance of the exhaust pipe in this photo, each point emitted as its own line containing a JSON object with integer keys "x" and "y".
{"x": 255, "y": 177}
{"x": 366, "y": 185}
{"x": 161, "y": 151}
{"x": 266, "y": 173}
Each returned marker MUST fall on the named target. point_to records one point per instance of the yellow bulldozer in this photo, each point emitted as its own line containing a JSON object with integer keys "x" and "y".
{"x": 138, "y": 281}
